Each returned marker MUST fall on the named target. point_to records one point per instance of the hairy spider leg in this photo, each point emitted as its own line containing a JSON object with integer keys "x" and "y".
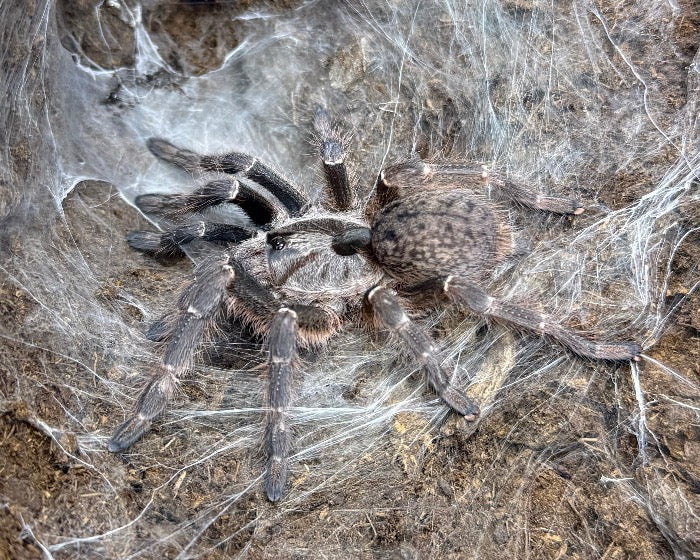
{"x": 178, "y": 205}
{"x": 278, "y": 436}
{"x": 478, "y": 301}
{"x": 197, "y": 309}
{"x": 389, "y": 311}
{"x": 216, "y": 280}
{"x": 417, "y": 173}
{"x": 248, "y": 166}
{"x": 260, "y": 206}
{"x": 333, "y": 157}
{"x": 169, "y": 243}
{"x": 288, "y": 325}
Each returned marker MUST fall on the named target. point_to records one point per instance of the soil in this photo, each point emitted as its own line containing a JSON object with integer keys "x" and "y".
{"x": 446, "y": 495}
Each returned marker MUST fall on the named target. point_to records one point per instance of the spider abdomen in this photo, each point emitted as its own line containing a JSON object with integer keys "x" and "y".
{"x": 431, "y": 234}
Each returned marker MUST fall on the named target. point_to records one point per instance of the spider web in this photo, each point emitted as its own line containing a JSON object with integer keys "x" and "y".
{"x": 596, "y": 100}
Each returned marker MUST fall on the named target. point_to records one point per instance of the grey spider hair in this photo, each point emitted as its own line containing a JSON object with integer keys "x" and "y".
{"x": 296, "y": 271}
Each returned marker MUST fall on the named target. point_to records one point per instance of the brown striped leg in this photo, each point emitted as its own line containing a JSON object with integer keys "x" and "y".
{"x": 386, "y": 306}
{"x": 480, "y": 302}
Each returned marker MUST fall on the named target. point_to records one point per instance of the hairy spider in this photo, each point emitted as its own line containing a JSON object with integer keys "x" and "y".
{"x": 295, "y": 271}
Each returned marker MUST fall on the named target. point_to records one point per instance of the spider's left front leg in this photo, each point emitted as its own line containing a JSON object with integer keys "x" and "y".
{"x": 278, "y": 438}
{"x": 389, "y": 311}
{"x": 290, "y": 324}
{"x": 197, "y": 310}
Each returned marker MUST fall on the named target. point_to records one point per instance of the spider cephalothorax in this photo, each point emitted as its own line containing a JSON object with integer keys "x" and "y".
{"x": 295, "y": 271}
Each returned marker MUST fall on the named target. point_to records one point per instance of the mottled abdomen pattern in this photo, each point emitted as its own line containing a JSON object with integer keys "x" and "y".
{"x": 431, "y": 234}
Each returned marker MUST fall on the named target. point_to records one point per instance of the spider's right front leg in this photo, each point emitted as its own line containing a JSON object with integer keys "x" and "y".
{"x": 184, "y": 210}
{"x": 234, "y": 162}
{"x": 287, "y": 325}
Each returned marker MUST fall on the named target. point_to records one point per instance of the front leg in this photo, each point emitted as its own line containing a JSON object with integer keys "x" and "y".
{"x": 169, "y": 243}
{"x": 386, "y": 306}
{"x": 261, "y": 208}
{"x": 290, "y": 325}
{"x": 234, "y": 162}
{"x": 197, "y": 309}
{"x": 278, "y": 437}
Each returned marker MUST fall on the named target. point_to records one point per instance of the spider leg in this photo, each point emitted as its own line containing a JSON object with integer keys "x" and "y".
{"x": 480, "y": 302}
{"x": 260, "y": 207}
{"x": 223, "y": 282}
{"x": 288, "y": 326}
{"x": 527, "y": 196}
{"x": 168, "y": 243}
{"x": 197, "y": 200}
{"x": 232, "y": 163}
{"x": 388, "y": 309}
{"x": 416, "y": 173}
{"x": 197, "y": 308}
{"x": 278, "y": 436}
{"x": 257, "y": 207}
{"x": 256, "y": 305}
{"x": 333, "y": 157}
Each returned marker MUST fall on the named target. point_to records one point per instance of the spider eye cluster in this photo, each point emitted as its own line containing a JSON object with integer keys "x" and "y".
{"x": 277, "y": 242}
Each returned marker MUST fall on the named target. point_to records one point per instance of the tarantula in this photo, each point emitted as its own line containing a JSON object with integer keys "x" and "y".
{"x": 295, "y": 271}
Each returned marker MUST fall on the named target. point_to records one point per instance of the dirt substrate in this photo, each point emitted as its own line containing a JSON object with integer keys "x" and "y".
{"x": 540, "y": 486}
